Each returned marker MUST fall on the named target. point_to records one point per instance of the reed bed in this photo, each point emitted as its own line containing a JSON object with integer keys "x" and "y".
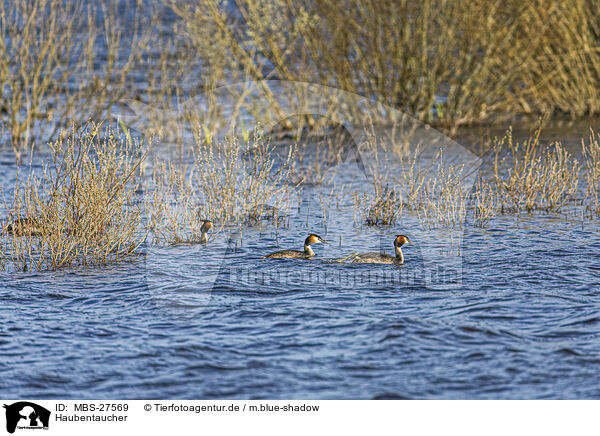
{"x": 82, "y": 209}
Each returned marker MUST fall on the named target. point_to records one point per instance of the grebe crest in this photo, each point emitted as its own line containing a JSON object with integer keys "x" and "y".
{"x": 401, "y": 240}
{"x": 297, "y": 254}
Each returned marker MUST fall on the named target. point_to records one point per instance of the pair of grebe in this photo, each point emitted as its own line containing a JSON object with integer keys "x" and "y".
{"x": 308, "y": 252}
{"x": 372, "y": 257}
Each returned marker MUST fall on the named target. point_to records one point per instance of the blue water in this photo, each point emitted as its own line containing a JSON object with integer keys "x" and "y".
{"x": 523, "y": 323}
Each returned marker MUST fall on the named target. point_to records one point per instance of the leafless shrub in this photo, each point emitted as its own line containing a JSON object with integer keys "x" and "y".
{"x": 485, "y": 202}
{"x": 591, "y": 161}
{"x": 449, "y": 63}
{"x": 444, "y": 197}
{"x": 383, "y": 203}
{"x": 311, "y": 163}
{"x": 58, "y": 66}
{"x": 173, "y": 208}
{"x": 82, "y": 210}
{"x": 230, "y": 182}
{"x": 380, "y": 208}
{"x": 532, "y": 177}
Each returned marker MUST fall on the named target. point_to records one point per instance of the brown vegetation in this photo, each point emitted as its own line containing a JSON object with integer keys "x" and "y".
{"x": 229, "y": 182}
{"x": 450, "y": 63}
{"x": 82, "y": 210}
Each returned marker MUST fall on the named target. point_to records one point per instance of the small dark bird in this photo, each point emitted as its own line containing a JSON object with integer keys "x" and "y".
{"x": 23, "y": 227}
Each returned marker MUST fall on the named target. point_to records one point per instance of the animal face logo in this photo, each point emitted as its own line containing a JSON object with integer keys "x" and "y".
{"x": 24, "y": 414}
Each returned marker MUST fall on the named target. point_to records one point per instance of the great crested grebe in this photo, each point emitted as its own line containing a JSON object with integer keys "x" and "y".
{"x": 23, "y": 227}
{"x": 399, "y": 241}
{"x": 297, "y": 254}
{"x": 206, "y": 226}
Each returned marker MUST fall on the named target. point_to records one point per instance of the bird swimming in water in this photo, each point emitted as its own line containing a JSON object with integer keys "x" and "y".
{"x": 297, "y": 254}
{"x": 23, "y": 227}
{"x": 206, "y": 226}
{"x": 372, "y": 257}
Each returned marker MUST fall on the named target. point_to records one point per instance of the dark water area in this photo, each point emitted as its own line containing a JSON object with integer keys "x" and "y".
{"x": 513, "y": 314}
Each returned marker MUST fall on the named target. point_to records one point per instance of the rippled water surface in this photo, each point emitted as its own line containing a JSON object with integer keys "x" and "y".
{"x": 518, "y": 318}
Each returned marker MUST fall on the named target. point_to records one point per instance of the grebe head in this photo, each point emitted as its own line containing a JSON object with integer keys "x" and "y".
{"x": 313, "y": 239}
{"x": 206, "y": 226}
{"x": 401, "y": 240}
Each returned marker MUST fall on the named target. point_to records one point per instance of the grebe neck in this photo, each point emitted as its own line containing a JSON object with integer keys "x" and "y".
{"x": 399, "y": 254}
{"x": 203, "y": 237}
{"x": 308, "y": 250}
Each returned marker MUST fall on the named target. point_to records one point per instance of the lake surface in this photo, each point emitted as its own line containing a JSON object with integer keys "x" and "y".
{"x": 517, "y": 316}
